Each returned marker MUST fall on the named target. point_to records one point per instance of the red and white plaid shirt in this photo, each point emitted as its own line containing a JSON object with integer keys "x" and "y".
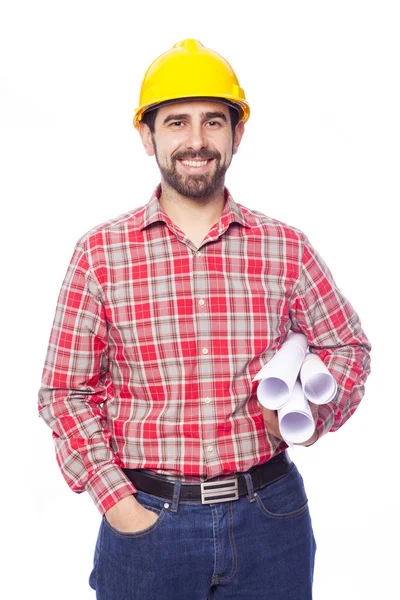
{"x": 155, "y": 344}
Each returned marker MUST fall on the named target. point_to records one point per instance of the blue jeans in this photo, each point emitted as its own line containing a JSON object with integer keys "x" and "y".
{"x": 260, "y": 546}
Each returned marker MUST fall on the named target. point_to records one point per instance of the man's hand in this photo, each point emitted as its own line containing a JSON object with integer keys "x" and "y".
{"x": 272, "y": 424}
{"x": 129, "y": 516}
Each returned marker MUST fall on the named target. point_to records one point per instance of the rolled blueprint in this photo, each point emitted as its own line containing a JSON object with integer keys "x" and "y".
{"x": 278, "y": 376}
{"x": 319, "y": 385}
{"x": 295, "y": 419}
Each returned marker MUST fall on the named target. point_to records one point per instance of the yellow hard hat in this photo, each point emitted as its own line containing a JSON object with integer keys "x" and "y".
{"x": 189, "y": 70}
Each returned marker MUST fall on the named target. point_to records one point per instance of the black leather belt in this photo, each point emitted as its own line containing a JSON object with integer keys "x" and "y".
{"x": 211, "y": 491}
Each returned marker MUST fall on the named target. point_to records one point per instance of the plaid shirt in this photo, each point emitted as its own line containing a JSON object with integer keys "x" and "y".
{"x": 155, "y": 344}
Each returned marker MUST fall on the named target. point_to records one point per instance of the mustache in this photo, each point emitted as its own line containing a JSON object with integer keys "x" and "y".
{"x": 201, "y": 155}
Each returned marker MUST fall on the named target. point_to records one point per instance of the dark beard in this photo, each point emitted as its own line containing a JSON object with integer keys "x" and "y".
{"x": 194, "y": 186}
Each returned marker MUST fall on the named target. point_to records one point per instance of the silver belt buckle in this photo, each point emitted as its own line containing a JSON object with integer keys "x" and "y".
{"x": 219, "y": 491}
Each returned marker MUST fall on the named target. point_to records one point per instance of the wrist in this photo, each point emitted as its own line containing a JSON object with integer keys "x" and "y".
{"x": 312, "y": 439}
{"x": 127, "y": 505}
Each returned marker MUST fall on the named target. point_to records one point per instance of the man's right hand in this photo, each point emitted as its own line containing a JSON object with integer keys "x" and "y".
{"x": 129, "y": 516}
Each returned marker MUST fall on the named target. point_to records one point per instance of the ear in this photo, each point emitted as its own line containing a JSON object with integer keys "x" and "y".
{"x": 237, "y": 138}
{"x": 147, "y": 140}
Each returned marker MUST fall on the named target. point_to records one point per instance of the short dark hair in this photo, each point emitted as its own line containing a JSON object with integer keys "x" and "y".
{"x": 149, "y": 118}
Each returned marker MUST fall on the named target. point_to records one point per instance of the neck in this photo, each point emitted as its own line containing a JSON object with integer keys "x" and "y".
{"x": 186, "y": 211}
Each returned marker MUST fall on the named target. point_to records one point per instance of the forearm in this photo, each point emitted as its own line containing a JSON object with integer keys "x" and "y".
{"x": 350, "y": 365}
{"x": 83, "y": 450}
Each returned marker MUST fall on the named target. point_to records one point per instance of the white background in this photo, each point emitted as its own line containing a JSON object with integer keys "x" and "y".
{"x": 320, "y": 152}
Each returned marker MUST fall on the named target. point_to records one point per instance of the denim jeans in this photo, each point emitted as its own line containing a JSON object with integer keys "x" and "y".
{"x": 260, "y": 546}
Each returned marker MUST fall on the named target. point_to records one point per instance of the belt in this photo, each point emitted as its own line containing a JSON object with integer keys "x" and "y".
{"x": 211, "y": 491}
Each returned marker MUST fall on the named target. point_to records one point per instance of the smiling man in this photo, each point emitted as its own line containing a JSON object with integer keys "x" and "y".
{"x": 165, "y": 316}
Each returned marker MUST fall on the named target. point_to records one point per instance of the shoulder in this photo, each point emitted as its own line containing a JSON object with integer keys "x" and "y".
{"x": 112, "y": 230}
{"x": 264, "y": 225}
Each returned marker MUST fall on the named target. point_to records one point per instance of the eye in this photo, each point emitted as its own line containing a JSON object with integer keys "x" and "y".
{"x": 177, "y": 123}
{"x": 213, "y": 123}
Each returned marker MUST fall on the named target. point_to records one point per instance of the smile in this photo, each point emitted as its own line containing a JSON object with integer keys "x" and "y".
{"x": 195, "y": 163}
{"x": 196, "y": 166}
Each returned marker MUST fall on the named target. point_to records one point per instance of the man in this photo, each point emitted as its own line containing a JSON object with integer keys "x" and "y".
{"x": 165, "y": 316}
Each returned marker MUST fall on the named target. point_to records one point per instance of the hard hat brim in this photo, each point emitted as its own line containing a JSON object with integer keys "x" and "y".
{"x": 242, "y": 107}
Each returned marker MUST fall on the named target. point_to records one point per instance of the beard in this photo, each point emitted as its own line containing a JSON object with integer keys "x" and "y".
{"x": 192, "y": 185}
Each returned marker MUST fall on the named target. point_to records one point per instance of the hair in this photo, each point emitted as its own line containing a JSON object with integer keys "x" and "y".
{"x": 149, "y": 118}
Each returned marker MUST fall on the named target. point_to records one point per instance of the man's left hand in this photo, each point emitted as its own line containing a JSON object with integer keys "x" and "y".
{"x": 272, "y": 424}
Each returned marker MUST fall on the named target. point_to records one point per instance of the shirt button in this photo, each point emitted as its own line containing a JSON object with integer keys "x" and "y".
{"x": 207, "y": 400}
{"x": 205, "y": 351}
{"x": 198, "y": 253}
{"x": 201, "y": 302}
{"x": 210, "y": 448}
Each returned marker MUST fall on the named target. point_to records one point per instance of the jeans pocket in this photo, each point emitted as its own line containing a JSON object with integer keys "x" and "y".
{"x": 161, "y": 512}
{"x": 285, "y": 498}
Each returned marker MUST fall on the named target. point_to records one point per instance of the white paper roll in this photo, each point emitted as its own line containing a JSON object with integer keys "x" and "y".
{"x": 319, "y": 385}
{"x": 278, "y": 376}
{"x": 295, "y": 419}
{"x": 273, "y": 392}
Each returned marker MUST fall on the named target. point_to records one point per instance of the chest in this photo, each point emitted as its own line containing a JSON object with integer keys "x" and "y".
{"x": 224, "y": 297}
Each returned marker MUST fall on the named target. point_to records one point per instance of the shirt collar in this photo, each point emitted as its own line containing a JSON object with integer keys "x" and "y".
{"x": 232, "y": 212}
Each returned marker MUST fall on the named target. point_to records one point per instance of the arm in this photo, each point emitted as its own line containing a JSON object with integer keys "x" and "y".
{"x": 320, "y": 311}
{"x": 73, "y": 389}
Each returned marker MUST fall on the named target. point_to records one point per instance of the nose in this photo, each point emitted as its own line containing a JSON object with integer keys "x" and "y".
{"x": 196, "y": 138}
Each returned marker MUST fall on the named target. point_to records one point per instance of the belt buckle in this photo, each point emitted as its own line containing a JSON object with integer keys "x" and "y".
{"x": 219, "y": 491}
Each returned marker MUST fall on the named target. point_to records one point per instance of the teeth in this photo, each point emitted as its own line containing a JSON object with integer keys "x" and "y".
{"x": 195, "y": 163}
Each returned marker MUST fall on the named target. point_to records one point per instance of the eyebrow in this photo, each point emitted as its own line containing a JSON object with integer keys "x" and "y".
{"x": 208, "y": 115}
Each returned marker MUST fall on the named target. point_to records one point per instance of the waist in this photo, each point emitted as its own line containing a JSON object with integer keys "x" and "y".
{"x": 212, "y": 490}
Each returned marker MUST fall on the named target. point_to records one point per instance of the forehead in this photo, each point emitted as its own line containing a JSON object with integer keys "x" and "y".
{"x": 192, "y": 108}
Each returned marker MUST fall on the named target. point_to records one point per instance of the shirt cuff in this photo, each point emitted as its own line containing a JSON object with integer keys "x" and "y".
{"x": 108, "y": 486}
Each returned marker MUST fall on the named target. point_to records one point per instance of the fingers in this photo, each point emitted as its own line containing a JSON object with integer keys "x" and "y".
{"x": 271, "y": 421}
